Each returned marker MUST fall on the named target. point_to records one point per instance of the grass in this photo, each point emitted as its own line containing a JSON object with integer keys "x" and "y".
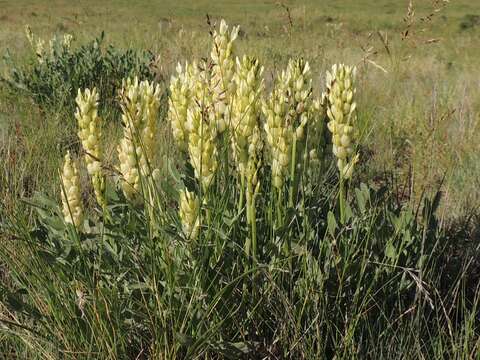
{"x": 404, "y": 287}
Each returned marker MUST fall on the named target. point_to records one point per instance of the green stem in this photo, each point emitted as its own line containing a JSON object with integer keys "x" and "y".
{"x": 242, "y": 191}
{"x": 279, "y": 209}
{"x": 253, "y": 220}
{"x": 342, "y": 199}
{"x": 293, "y": 164}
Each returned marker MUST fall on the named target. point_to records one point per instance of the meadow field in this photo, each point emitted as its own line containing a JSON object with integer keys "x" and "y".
{"x": 169, "y": 233}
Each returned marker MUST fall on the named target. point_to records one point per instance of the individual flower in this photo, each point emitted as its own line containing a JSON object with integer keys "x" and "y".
{"x": 342, "y": 115}
{"x": 90, "y": 135}
{"x": 189, "y": 211}
{"x": 71, "y": 195}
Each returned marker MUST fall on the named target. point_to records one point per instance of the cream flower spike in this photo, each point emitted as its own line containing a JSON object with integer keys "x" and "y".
{"x": 178, "y": 103}
{"x": 202, "y": 129}
{"x": 287, "y": 115}
{"x": 40, "y": 50}
{"x": 30, "y": 36}
{"x": 279, "y": 134}
{"x": 223, "y": 71}
{"x": 342, "y": 114}
{"x": 67, "y": 41}
{"x": 70, "y": 193}
{"x": 140, "y": 106}
{"x": 90, "y": 135}
{"x": 246, "y": 110}
{"x": 150, "y": 95}
{"x": 189, "y": 209}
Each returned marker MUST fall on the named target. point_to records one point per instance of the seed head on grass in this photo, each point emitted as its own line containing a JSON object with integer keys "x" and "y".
{"x": 71, "y": 194}
{"x": 342, "y": 115}
{"x": 90, "y": 135}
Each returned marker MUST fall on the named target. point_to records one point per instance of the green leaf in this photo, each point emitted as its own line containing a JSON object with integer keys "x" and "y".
{"x": 390, "y": 251}
{"x": 331, "y": 223}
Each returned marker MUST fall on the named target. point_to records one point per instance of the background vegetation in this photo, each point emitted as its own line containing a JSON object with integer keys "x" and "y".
{"x": 419, "y": 115}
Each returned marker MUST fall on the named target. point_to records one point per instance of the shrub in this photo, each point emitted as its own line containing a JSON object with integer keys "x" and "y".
{"x": 54, "y": 76}
{"x": 469, "y": 21}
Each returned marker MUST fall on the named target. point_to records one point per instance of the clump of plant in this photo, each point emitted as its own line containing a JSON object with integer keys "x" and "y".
{"x": 252, "y": 243}
{"x": 52, "y": 78}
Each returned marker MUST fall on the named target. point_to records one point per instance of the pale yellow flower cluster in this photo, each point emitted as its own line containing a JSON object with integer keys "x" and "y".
{"x": 202, "y": 130}
{"x": 300, "y": 91}
{"x": 245, "y": 121}
{"x": 90, "y": 134}
{"x": 179, "y": 101}
{"x": 198, "y": 109}
{"x": 192, "y": 118}
{"x": 223, "y": 71}
{"x": 67, "y": 41}
{"x": 342, "y": 115}
{"x": 38, "y": 44}
{"x": 189, "y": 213}
{"x": 71, "y": 195}
{"x": 318, "y": 112}
{"x": 150, "y": 95}
{"x": 140, "y": 106}
{"x": 278, "y": 132}
{"x": 29, "y": 35}
{"x": 208, "y": 98}
{"x": 287, "y": 114}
